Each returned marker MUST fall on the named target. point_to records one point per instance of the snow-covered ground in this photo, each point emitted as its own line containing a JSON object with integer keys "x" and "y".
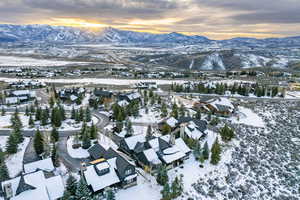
{"x": 248, "y": 117}
{"x": 106, "y": 81}
{"x": 150, "y": 117}
{"x": 5, "y": 122}
{"x": 27, "y": 61}
{"x": 76, "y": 153}
{"x": 15, "y": 162}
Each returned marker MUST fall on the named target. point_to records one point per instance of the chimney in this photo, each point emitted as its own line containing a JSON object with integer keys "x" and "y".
{"x": 172, "y": 139}
{"x": 8, "y": 190}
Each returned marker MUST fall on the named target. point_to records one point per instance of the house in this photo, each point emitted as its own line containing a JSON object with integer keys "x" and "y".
{"x": 146, "y": 85}
{"x": 171, "y": 122}
{"x": 192, "y": 128}
{"x": 103, "y": 94}
{"x": 130, "y": 97}
{"x": 168, "y": 150}
{"x": 19, "y": 96}
{"x": 26, "y": 84}
{"x": 71, "y": 94}
{"x": 219, "y": 106}
{"x": 108, "y": 169}
{"x": 34, "y": 182}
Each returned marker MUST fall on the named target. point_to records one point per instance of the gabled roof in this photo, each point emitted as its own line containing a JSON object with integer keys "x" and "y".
{"x": 45, "y": 165}
{"x": 97, "y": 151}
{"x": 22, "y": 187}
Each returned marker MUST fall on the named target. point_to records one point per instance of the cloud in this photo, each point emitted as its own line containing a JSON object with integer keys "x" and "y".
{"x": 213, "y": 18}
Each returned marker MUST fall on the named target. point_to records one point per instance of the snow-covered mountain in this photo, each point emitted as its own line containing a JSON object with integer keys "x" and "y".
{"x": 61, "y": 34}
{"x": 46, "y": 33}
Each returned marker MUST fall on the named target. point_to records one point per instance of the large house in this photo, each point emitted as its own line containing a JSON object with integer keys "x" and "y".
{"x": 18, "y": 96}
{"x": 146, "y": 85}
{"x": 108, "y": 169}
{"x": 150, "y": 153}
{"x": 35, "y": 182}
{"x": 219, "y": 106}
{"x": 71, "y": 94}
{"x": 130, "y": 97}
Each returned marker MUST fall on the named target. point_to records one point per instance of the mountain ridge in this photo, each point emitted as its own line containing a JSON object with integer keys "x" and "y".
{"x": 68, "y": 34}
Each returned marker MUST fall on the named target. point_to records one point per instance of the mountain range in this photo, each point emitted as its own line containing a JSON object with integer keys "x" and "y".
{"x": 67, "y": 35}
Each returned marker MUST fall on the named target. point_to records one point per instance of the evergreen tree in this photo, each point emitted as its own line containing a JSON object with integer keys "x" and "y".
{"x": 226, "y": 133}
{"x": 110, "y": 195}
{"x": 205, "y": 151}
{"x": 162, "y": 176}
{"x": 177, "y": 187}
{"x": 54, "y": 156}
{"x": 182, "y": 111}
{"x": 88, "y": 116}
{"x": 86, "y": 141}
{"x": 26, "y": 111}
{"x": 175, "y": 111}
{"x": 44, "y": 118}
{"x": 2, "y": 111}
{"x": 164, "y": 110}
{"x": 77, "y": 117}
{"x": 62, "y": 113}
{"x": 166, "y": 192}
{"x": 32, "y": 109}
{"x": 81, "y": 114}
{"x": 149, "y": 133}
{"x": 82, "y": 191}
{"x": 11, "y": 144}
{"x": 71, "y": 185}
{"x": 73, "y": 113}
{"x": 166, "y": 129}
{"x": 51, "y": 102}
{"x": 129, "y": 129}
{"x": 93, "y": 131}
{"x": 38, "y": 142}
{"x": 197, "y": 150}
{"x": 56, "y": 117}
{"x": 3, "y": 172}
{"x": 198, "y": 114}
{"x": 38, "y": 114}
{"x": 54, "y": 135}
{"x": 215, "y": 153}
{"x": 30, "y": 122}
{"x": 2, "y": 155}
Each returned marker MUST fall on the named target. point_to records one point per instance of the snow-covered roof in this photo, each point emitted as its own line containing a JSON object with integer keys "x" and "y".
{"x": 21, "y": 92}
{"x": 100, "y": 182}
{"x": 221, "y": 101}
{"x": 151, "y": 156}
{"x": 133, "y": 140}
{"x": 172, "y": 122}
{"x": 42, "y": 188}
{"x": 172, "y": 154}
{"x": 133, "y": 96}
{"x": 73, "y": 97}
{"x": 193, "y": 132}
{"x": 182, "y": 146}
{"x": 11, "y": 100}
{"x": 45, "y": 165}
{"x": 123, "y": 103}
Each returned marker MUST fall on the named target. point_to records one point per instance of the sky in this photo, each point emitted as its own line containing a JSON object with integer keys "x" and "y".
{"x": 216, "y": 19}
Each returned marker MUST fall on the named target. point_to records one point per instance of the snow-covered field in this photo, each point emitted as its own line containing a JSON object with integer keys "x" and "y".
{"x": 248, "y": 117}
{"x": 150, "y": 117}
{"x": 105, "y": 81}
{"x": 15, "y": 162}
{"x": 27, "y": 61}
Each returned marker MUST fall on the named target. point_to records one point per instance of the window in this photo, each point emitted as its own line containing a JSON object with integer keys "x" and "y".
{"x": 128, "y": 171}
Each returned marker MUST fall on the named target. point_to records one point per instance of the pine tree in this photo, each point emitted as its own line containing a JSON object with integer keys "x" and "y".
{"x": 82, "y": 191}
{"x": 54, "y": 156}
{"x": 88, "y": 116}
{"x": 11, "y": 144}
{"x": 166, "y": 129}
{"x": 205, "y": 151}
{"x": 175, "y": 111}
{"x": 62, "y": 113}
{"x": 71, "y": 185}
{"x": 182, "y": 111}
{"x": 51, "y": 102}
{"x": 81, "y": 114}
{"x": 2, "y": 155}
{"x": 215, "y": 153}
{"x": 129, "y": 129}
{"x": 93, "y": 131}
{"x": 3, "y": 172}
{"x": 197, "y": 150}
{"x": 162, "y": 176}
{"x": 38, "y": 114}
{"x": 56, "y": 117}
{"x": 30, "y": 122}
{"x": 176, "y": 187}
{"x": 110, "y": 195}
{"x": 3, "y": 111}
{"x": 32, "y": 109}
{"x": 44, "y": 118}
{"x": 86, "y": 141}
{"x": 73, "y": 113}
{"x": 149, "y": 133}
{"x": 54, "y": 135}
{"x": 26, "y": 111}
{"x": 166, "y": 193}
{"x": 198, "y": 114}
{"x": 38, "y": 142}
{"x": 226, "y": 133}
